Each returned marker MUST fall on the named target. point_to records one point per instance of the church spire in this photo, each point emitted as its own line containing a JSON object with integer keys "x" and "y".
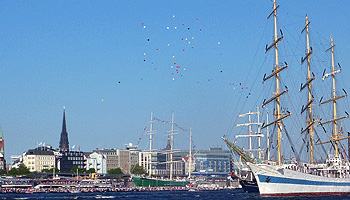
{"x": 168, "y": 146}
{"x": 2, "y": 143}
{"x": 64, "y": 144}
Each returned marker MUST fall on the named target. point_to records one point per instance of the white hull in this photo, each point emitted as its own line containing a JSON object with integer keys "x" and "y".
{"x": 276, "y": 181}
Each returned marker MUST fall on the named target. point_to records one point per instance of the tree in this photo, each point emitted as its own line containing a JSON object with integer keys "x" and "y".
{"x": 2, "y": 172}
{"x": 91, "y": 170}
{"x": 137, "y": 169}
{"x": 50, "y": 170}
{"x": 115, "y": 171}
{"x": 21, "y": 170}
{"x": 75, "y": 169}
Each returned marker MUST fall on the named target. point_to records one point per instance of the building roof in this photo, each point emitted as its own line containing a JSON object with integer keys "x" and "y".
{"x": 39, "y": 152}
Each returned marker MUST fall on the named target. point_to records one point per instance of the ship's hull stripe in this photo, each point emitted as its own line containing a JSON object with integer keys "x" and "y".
{"x": 307, "y": 194}
{"x": 282, "y": 180}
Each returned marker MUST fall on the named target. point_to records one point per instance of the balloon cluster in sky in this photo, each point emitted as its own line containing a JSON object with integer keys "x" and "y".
{"x": 179, "y": 40}
{"x": 168, "y": 46}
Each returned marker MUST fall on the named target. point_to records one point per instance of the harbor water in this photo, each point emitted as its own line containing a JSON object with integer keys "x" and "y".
{"x": 221, "y": 194}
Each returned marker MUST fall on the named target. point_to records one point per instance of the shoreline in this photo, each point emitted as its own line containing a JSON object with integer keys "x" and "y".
{"x": 92, "y": 190}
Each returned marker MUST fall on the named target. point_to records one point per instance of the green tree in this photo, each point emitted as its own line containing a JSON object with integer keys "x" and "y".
{"x": 51, "y": 170}
{"x": 91, "y": 170}
{"x": 115, "y": 171}
{"x": 21, "y": 170}
{"x": 75, "y": 168}
{"x": 2, "y": 172}
{"x": 137, "y": 169}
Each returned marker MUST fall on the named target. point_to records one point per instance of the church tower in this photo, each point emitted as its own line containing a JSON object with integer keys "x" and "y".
{"x": 64, "y": 144}
{"x": 2, "y": 151}
{"x": 2, "y": 143}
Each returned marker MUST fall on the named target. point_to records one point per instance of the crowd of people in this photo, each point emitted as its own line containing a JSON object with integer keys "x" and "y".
{"x": 83, "y": 186}
{"x": 89, "y": 190}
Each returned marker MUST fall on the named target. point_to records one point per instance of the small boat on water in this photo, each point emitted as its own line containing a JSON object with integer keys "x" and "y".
{"x": 249, "y": 186}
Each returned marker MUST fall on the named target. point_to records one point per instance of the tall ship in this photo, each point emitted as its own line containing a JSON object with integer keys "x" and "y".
{"x": 246, "y": 178}
{"x": 149, "y": 181}
{"x": 282, "y": 177}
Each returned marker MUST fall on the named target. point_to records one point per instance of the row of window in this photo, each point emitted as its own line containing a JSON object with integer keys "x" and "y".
{"x": 41, "y": 157}
{"x": 75, "y": 158}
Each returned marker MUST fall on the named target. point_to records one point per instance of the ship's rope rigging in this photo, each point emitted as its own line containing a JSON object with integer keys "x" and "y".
{"x": 295, "y": 99}
{"x": 251, "y": 67}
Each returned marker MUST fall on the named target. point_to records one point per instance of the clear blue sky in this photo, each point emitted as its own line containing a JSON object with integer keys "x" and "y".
{"x": 78, "y": 53}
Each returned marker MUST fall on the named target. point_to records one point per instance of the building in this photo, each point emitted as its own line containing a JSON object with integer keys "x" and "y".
{"x": 39, "y": 159}
{"x": 116, "y": 158}
{"x": 68, "y": 159}
{"x": 189, "y": 165}
{"x": 213, "y": 160}
{"x": 64, "y": 144}
{"x": 98, "y": 162}
{"x": 2, "y": 151}
{"x": 134, "y": 154}
{"x": 160, "y": 161}
{"x": 16, "y": 158}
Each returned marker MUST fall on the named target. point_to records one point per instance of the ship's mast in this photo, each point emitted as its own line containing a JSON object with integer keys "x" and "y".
{"x": 250, "y": 135}
{"x": 310, "y": 121}
{"x": 335, "y": 129}
{"x": 172, "y": 133}
{"x": 336, "y": 137}
{"x": 276, "y": 73}
{"x": 190, "y": 156}
{"x": 278, "y": 106}
{"x": 151, "y": 132}
{"x": 267, "y": 137}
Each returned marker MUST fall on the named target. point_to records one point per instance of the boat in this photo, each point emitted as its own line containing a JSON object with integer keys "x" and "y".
{"x": 249, "y": 186}
{"x": 298, "y": 178}
{"x": 246, "y": 177}
{"x": 143, "y": 181}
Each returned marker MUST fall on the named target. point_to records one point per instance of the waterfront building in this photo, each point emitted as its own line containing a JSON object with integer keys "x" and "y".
{"x": 134, "y": 154}
{"x": 147, "y": 160}
{"x": 39, "y": 158}
{"x": 68, "y": 159}
{"x": 213, "y": 160}
{"x": 189, "y": 167}
{"x": 116, "y": 158}
{"x": 160, "y": 161}
{"x": 2, "y": 151}
{"x": 16, "y": 158}
{"x": 98, "y": 162}
{"x": 2, "y": 161}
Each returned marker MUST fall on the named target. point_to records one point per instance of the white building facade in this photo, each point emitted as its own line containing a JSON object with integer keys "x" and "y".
{"x": 98, "y": 162}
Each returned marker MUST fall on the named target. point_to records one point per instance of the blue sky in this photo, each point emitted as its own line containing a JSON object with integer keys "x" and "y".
{"x": 78, "y": 53}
